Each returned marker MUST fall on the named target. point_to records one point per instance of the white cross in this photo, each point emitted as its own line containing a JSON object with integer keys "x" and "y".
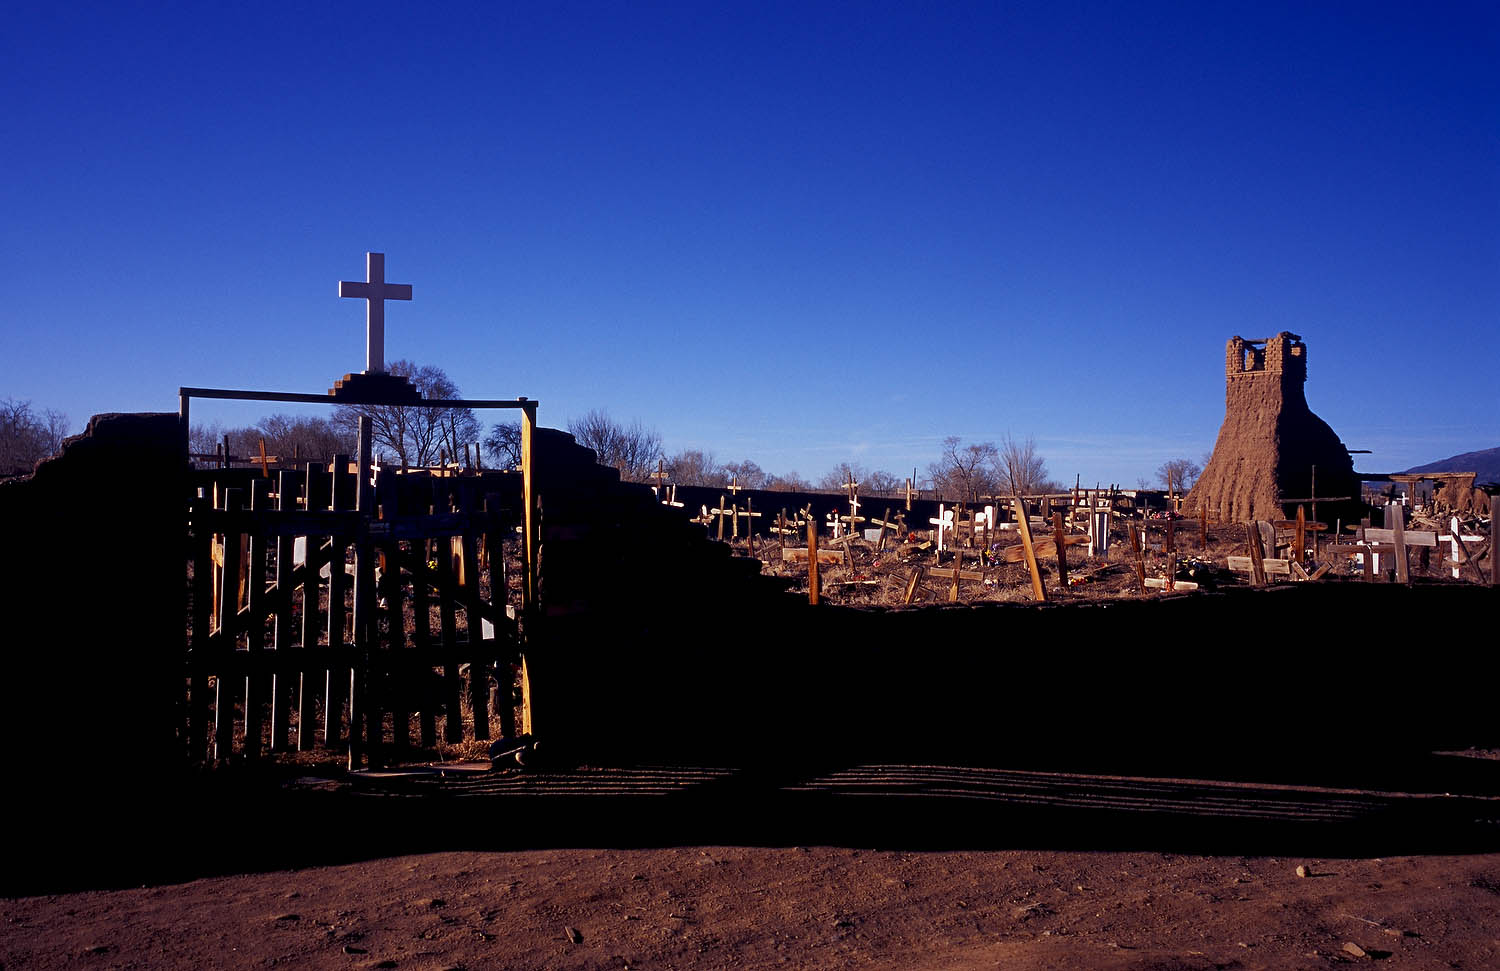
{"x": 944, "y": 521}
{"x": 377, "y": 292}
{"x": 1454, "y": 537}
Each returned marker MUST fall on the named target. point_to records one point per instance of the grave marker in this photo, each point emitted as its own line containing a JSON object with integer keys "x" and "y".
{"x": 1024, "y": 526}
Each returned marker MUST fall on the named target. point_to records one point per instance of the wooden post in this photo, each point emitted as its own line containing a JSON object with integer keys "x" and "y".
{"x": 529, "y": 512}
{"x": 364, "y": 600}
{"x": 812, "y": 561}
{"x": 911, "y": 584}
{"x": 1494, "y": 545}
{"x": 337, "y": 688}
{"x": 1060, "y": 533}
{"x": 447, "y": 591}
{"x": 1023, "y": 526}
{"x": 229, "y": 624}
{"x": 313, "y": 501}
{"x": 479, "y": 681}
{"x": 503, "y": 707}
{"x": 1301, "y": 556}
{"x": 1394, "y": 518}
{"x": 281, "y": 684}
{"x": 1367, "y": 560}
{"x": 1140, "y": 562}
{"x": 1257, "y": 560}
{"x": 203, "y": 597}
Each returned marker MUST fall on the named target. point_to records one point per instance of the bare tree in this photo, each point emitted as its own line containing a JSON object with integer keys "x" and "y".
{"x": 747, "y": 474}
{"x": 503, "y": 444}
{"x": 1019, "y": 470}
{"x": 415, "y": 435}
{"x": 301, "y": 438}
{"x": 632, "y": 449}
{"x": 878, "y": 483}
{"x": 837, "y": 478}
{"x": 27, "y": 437}
{"x": 1179, "y": 474}
{"x": 693, "y": 467}
{"x": 965, "y": 472}
{"x": 791, "y": 482}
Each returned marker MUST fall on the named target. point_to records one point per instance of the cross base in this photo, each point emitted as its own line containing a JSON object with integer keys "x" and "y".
{"x": 369, "y": 388}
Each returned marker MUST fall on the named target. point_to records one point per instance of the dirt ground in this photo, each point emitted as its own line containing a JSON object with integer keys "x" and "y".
{"x": 1002, "y": 869}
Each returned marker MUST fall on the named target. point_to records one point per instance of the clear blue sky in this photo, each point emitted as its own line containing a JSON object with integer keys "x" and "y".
{"x": 799, "y": 234}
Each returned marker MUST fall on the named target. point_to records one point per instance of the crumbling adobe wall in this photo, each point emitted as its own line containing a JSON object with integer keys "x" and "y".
{"x": 94, "y": 602}
{"x": 1270, "y": 440}
{"x": 654, "y": 645}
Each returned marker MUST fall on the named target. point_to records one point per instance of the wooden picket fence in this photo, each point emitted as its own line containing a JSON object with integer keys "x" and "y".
{"x": 315, "y": 623}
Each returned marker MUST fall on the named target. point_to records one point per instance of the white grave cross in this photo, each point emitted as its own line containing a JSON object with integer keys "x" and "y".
{"x": 377, "y": 292}
{"x": 944, "y": 521}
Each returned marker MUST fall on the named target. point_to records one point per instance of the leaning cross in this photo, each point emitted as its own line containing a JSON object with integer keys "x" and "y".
{"x": 377, "y": 292}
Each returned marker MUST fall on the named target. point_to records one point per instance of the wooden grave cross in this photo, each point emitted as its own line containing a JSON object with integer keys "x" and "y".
{"x": 722, "y": 511}
{"x": 957, "y": 574}
{"x": 854, "y": 518}
{"x": 660, "y": 475}
{"x": 750, "y": 516}
{"x": 1023, "y": 525}
{"x": 376, "y": 291}
{"x": 835, "y": 524}
{"x": 671, "y": 497}
{"x": 784, "y": 526}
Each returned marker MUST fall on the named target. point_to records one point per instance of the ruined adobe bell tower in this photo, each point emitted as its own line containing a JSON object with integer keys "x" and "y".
{"x": 1270, "y": 440}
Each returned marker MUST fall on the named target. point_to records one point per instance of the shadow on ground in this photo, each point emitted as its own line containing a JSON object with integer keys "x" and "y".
{"x": 81, "y": 836}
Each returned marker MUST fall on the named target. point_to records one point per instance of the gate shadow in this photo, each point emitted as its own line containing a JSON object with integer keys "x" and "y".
{"x": 271, "y": 820}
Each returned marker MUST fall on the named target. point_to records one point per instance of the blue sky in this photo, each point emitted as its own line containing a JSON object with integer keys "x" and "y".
{"x": 799, "y": 234}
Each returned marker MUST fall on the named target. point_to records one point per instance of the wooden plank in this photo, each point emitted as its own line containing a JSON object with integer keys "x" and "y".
{"x": 1044, "y": 547}
{"x": 812, "y": 561}
{"x": 1160, "y": 583}
{"x": 1420, "y": 537}
{"x": 421, "y": 552}
{"x": 336, "y": 687}
{"x": 255, "y": 626}
{"x": 453, "y": 730}
{"x": 364, "y": 602}
{"x": 1395, "y": 517}
{"x": 1024, "y": 527}
{"x": 1257, "y": 565}
{"x": 315, "y": 496}
{"x": 973, "y": 576}
{"x": 1273, "y": 567}
{"x": 796, "y": 554}
{"x": 1494, "y": 544}
{"x": 1060, "y": 537}
{"x": 1135, "y": 549}
{"x": 503, "y": 705}
{"x": 281, "y": 632}
{"x": 203, "y": 580}
{"x": 479, "y": 675}
{"x": 911, "y": 585}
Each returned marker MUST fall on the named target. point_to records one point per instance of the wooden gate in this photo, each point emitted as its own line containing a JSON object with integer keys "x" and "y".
{"x": 313, "y": 622}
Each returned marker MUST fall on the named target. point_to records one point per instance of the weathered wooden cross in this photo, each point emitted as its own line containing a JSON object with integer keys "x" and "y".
{"x": 376, "y": 291}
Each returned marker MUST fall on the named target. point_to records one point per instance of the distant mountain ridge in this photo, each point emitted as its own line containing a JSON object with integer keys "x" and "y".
{"x": 1485, "y": 462}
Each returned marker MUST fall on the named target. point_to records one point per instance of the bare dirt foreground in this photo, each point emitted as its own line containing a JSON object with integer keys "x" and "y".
{"x": 812, "y": 907}
{"x": 976, "y": 869}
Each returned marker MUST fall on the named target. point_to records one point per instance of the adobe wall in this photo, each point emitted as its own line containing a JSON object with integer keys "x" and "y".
{"x": 94, "y": 601}
{"x": 655, "y": 645}
{"x": 1270, "y": 440}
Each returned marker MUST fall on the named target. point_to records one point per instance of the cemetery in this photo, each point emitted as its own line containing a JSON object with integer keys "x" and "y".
{"x": 283, "y": 660}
